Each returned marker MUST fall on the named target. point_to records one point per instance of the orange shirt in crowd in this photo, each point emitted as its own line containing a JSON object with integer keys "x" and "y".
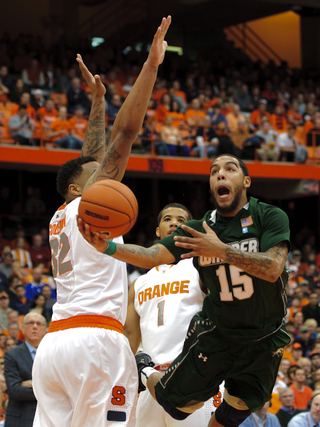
{"x": 30, "y": 110}
{"x": 301, "y": 398}
{"x": 157, "y": 95}
{"x": 196, "y": 116}
{"x": 161, "y": 113}
{"x": 279, "y": 123}
{"x": 58, "y": 126}
{"x": 256, "y": 115}
{"x": 177, "y": 118}
{"x": 211, "y": 102}
{"x": 48, "y": 116}
{"x": 79, "y": 126}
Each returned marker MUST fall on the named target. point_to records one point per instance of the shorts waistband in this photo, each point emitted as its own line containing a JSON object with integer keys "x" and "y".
{"x": 162, "y": 368}
{"x": 86, "y": 321}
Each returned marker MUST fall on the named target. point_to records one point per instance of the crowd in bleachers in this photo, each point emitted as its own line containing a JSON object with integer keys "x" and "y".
{"x": 250, "y": 109}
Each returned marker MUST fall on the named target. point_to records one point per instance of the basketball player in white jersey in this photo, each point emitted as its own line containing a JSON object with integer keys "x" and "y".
{"x": 161, "y": 305}
{"x": 84, "y": 372}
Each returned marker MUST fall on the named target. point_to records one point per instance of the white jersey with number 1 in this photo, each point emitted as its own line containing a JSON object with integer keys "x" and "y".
{"x": 166, "y": 298}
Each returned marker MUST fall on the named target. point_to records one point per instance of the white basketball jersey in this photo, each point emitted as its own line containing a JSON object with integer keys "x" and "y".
{"x": 166, "y": 298}
{"x": 88, "y": 282}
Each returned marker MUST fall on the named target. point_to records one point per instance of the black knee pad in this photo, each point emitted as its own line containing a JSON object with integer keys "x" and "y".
{"x": 171, "y": 410}
{"x": 228, "y": 416}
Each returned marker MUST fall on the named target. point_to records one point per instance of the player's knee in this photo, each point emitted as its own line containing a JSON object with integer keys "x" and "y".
{"x": 171, "y": 410}
{"x": 228, "y": 416}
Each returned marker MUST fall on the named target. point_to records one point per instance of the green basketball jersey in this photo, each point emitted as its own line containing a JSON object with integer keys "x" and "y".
{"x": 242, "y": 306}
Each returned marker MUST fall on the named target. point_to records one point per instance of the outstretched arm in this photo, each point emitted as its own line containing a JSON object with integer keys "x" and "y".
{"x": 132, "y": 254}
{"x": 95, "y": 140}
{"x": 129, "y": 119}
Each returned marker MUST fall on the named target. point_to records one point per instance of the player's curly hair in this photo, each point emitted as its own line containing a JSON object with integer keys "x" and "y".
{"x": 69, "y": 171}
{"x": 242, "y": 165}
{"x": 174, "y": 205}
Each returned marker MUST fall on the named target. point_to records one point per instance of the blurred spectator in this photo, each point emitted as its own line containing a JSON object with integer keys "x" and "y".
{"x": 261, "y": 111}
{"x": 287, "y": 410}
{"x": 6, "y": 79}
{"x": 20, "y": 302}
{"x": 3, "y": 344}
{"x": 18, "y": 90}
{"x": 296, "y": 353}
{"x": 268, "y": 93}
{"x": 305, "y": 364}
{"x": 244, "y": 99}
{"x": 38, "y": 100}
{"x": 313, "y": 135}
{"x": 33, "y": 76}
{"x": 150, "y": 134}
{"x": 283, "y": 369}
{"x": 21, "y": 254}
{"x": 13, "y": 331}
{"x": 173, "y": 140}
{"x": 216, "y": 116}
{"x": 6, "y": 265}
{"x": 10, "y": 344}
{"x": 60, "y": 130}
{"x": 190, "y": 89}
{"x": 4, "y": 310}
{"x": 304, "y": 339}
{"x": 77, "y": 96}
{"x": 113, "y": 108}
{"x": 312, "y": 324}
{"x": 206, "y": 140}
{"x": 286, "y": 144}
{"x": 308, "y": 418}
{"x": 302, "y": 393}
{"x": 294, "y": 116}
{"x": 24, "y": 100}
{"x": 225, "y": 146}
{"x": 39, "y": 305}
{"x": 176, "y": 113}
{"x": 278, "y": 119}
{"x": 194, "y": 115}
{"x": 48, "y": 112}
{"x": 312, "y": 310}
{"x": 35, "y": 287}
{"x": 78, "y": 124}
{"x": 233, "y": 118}
{"x": 49, "y": 301}
{"x": 240, "y": 138}
{"x": 261, "y": 418}
{"x": 21, "y": 126}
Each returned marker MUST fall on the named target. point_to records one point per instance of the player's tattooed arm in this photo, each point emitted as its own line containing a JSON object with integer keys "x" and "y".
{"x": 95, "y": 139}
{"x": 132, "y": 254}
{"x": 266, "y": 265}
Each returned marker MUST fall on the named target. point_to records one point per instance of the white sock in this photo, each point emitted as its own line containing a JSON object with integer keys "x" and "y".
{"x": 146, "y": 372}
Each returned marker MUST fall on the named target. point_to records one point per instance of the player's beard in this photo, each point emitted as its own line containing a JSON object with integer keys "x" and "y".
{"x": 223, "y": 210}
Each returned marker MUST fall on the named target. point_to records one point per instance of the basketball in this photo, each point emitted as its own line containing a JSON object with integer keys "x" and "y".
{"x": 109, "y": 207}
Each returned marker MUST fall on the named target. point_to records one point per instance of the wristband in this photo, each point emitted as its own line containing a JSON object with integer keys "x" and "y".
{"x": 111, "y": 249}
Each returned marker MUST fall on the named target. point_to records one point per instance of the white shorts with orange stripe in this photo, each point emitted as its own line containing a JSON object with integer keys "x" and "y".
{"x": 85, "y": 376}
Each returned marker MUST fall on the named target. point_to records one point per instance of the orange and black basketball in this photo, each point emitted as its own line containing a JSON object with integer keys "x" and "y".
{"x": 109, "y": 207}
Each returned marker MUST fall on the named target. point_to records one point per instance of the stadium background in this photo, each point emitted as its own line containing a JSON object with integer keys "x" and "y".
{"x": 199, "y": 28}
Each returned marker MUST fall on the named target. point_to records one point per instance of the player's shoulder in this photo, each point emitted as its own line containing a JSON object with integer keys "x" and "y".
{"x": 263, "y": 208}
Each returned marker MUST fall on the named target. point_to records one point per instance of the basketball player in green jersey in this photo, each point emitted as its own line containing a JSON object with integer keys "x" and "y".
{"x": 240, "y": 250}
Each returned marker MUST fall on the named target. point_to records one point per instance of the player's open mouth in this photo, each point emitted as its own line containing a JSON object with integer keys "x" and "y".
{"x": 223, "y": 192}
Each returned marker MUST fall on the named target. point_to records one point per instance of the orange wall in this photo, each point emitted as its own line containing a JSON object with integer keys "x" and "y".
{"x": 282, "y": 33}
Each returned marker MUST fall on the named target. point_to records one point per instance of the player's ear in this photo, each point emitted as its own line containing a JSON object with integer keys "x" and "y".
{"x": 157, "y": 232}
{"x": 75, "y": 190}
{"x": 247, "y": 181}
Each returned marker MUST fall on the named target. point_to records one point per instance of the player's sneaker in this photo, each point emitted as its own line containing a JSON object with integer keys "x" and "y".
{"x": 142, "y": 360}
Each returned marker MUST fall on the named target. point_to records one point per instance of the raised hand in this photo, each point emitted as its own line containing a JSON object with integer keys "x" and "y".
{"x": 202, "y": 244}
{"x": 96, "y": 87}
{"x": 159, "y": 45}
